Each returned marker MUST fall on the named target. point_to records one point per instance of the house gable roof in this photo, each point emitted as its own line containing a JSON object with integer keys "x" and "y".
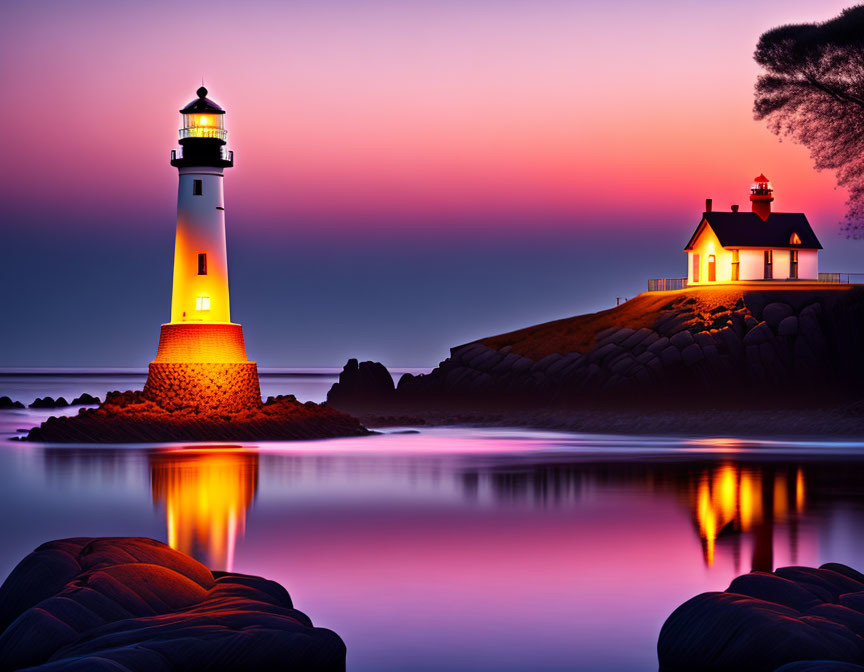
{"x": 746, "y": 229}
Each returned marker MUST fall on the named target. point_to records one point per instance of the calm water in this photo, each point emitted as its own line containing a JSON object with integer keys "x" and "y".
{"x": 451, "y": 548}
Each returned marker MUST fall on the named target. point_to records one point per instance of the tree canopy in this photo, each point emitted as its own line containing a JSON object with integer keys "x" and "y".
{"x": 812, "y": 91}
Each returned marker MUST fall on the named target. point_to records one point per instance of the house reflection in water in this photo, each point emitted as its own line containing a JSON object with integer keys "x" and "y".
{"x": 734, "y": 500}
{"x": 206, "y": 493}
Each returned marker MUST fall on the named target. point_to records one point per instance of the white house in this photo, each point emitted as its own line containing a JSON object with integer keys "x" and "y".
{"x": 756, "y": 245}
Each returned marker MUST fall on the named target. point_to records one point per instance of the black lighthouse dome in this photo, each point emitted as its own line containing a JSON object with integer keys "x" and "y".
{"x": 203, "y": 135}
{"x": 202, "y": 105}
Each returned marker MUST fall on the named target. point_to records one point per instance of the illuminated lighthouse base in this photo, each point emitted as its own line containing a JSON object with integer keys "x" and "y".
{"x": 203, "y": 366}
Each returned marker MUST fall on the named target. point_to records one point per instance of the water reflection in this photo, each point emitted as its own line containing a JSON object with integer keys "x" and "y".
{"x": 731, "y": 500}
{"x": 745, "y": 509}
{"x": 205, "y": 493}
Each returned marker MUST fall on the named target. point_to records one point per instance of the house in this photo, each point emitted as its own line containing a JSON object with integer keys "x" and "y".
{"x": 756, "y": 245}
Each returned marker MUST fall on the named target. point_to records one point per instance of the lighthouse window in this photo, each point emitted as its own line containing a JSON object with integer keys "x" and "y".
{"x": 202, "y": 303}
{"x": 202, "y": 263}
{"x": 197, "y": 187}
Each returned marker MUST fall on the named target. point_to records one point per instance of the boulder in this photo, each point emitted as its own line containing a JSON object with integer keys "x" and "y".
{"x": 682, "y": 339}
{"x": 788, "y": 326}
{"x": 85, "y": 400}
{"x": 758, "y": 334}
{"x": 137, "y": 605}
{"x": 6, "y": 402}
{"x": 775, "y": 313}
{"x": 765, "y": 621}
{"x": 360, "y": 384}
{"x": 49, "y": 402}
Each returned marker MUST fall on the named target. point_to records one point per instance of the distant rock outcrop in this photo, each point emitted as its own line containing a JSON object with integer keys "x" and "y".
{"x": 701, "y": 346}
{"x": 85, "y": 400}
{"x": 6, "y": 402}
{"x": 129, "y": 417}
{"x": 49, "y": 402}
{"x": 796, "y": 619}
{"x": 136, "y": 605}
{"x": 368, "y": 383}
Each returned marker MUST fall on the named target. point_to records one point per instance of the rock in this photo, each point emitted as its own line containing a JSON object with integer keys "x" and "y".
{"x": 129, "y": 417}
{"x": 6, "y": 402}
{"x": 682, "y": 339}
{"x": 617, "y": 336}
{"x": 132, "y": 604}
{"x": 788, "y": 326}
{"x": 605, "y": 352}
{"x": 466, "y": 353}
{"x": 506, "y": 364}
{"x": 486, "y": 361}
{"x": 546, "y": 362}
{"x": 692, "y": 354}
{"x": 366, "y": 383}
{"x": 670, "y": 356}
{"x": 637, "y": 337}
{"x": 775, "y": 313}
{"x": 758, "y": 334}
{"x": 49, "y": 402}
{"x": 767, "y": 620}
{"x": 85, "y": 400}
{"x": 658, "y": 346}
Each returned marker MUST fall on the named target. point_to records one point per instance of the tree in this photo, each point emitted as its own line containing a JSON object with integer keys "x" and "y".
{"x": 812, "y": 91}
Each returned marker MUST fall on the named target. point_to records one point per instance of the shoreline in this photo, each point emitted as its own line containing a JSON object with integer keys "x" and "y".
{"x": 757, "y": 424}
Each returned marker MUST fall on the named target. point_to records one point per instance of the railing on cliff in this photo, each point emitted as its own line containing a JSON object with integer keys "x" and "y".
{"x": 842, "y": 278}
{"x": 666, "y": 284}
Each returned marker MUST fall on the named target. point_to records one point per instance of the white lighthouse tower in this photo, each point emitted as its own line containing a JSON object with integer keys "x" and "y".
{"x": 201, "y": 361}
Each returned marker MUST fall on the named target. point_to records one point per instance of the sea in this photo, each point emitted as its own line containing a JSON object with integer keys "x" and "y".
{"x": 447, "y": 548}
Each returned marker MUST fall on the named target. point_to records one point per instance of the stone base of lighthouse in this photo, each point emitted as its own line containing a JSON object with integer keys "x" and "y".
{"x": 203, "y": 367}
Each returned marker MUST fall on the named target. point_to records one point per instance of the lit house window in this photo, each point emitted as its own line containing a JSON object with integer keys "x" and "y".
{"x": 695, "y": 268}
{"x": 197, "y": 187}
{"x": 794, "y": 239}
{"x": 202, "y": 263}
{"x": 202, "y": 303}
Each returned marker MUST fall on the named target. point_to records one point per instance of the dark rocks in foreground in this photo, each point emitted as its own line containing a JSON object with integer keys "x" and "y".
{"x": 796, "y": 619}
{"x": 127, "y": 417}
{"x": 6, "y": 402}
{"x": 136, "y": 605}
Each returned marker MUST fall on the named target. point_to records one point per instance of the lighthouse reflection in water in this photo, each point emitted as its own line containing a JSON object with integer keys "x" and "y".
{"x": 739, "y": 510}
{"x": 206, "y": 494}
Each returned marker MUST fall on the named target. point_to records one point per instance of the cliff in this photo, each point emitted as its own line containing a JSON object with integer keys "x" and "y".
{"x": 732, "y": 347}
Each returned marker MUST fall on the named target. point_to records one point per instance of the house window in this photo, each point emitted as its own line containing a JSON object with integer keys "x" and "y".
{"x": 202, "y": 303}
{"x": 793, "y": 264}
{"x": 695, "y": 268}
{"x": 712, "y": 268}
{"x": 197, "y": 187}
{"x": 794, "y": 239}
{"x": 202, "y": 263}
{"x": 769, "y": 264}
{"x": 735, "y": 265}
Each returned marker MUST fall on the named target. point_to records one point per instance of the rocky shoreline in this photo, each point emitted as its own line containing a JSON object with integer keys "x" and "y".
{"x": 134, "y": 605}
{"x": 732, "y": 359}
{"x": 129, "y": 417}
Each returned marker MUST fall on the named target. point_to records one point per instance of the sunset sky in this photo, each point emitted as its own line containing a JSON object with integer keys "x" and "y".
{"x": 409, "y": 175}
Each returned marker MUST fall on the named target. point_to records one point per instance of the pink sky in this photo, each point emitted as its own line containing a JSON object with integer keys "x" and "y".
{"x": 388, "y": 108}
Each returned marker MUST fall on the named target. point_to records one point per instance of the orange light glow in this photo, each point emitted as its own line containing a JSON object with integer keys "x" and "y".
{"x": 206, "y": 495}
{"x": 729, "y": 499}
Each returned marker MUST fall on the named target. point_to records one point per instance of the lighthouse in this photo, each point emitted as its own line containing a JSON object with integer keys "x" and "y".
{"x": 201, "y": 361}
